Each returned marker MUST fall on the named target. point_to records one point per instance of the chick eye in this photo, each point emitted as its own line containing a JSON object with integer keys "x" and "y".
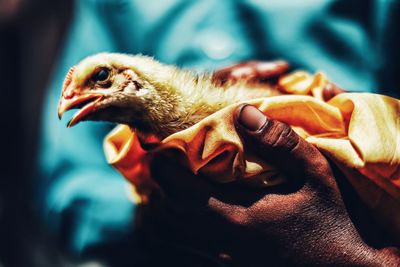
{"x": 101, "y": 75}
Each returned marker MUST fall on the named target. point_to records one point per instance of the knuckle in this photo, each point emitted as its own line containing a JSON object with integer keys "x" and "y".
{"x": 278, "y": 135}
{"x": 233, "y": 215}
{"x": 239, "y": 218}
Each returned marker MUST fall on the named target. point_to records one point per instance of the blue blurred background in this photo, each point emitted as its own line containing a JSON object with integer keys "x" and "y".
{"x": 59, "y": 201}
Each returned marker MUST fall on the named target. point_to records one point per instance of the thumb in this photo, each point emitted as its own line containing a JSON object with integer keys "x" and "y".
{"x": 277, "y": 143}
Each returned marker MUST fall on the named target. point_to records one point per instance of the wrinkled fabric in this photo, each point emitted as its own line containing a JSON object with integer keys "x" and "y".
{"x": 357, "y": 131}
{"x": 354, "y": 44}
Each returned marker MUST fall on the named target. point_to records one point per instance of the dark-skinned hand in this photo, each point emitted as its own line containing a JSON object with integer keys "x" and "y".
{"x": 301, "y": 223}
{"x": 263, "y": 72}
{"x": 252, "y": 71}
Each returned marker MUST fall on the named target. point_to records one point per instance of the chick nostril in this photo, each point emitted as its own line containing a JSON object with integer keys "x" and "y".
{"x": 69, "y": 93}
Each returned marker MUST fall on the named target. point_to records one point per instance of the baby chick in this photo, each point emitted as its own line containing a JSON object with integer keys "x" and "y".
{"x": 150, "y": 97}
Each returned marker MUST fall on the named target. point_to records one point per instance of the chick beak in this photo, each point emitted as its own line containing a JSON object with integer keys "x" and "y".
{"x": 66, "y": 104}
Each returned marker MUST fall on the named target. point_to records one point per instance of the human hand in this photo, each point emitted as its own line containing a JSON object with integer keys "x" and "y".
{"x": 252, "y": 71}
{"x": 269, "y": 72}
{"x": 302, "y": 223}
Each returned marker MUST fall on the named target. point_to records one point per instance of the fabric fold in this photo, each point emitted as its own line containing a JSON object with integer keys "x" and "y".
{"x": 359, "y": 132}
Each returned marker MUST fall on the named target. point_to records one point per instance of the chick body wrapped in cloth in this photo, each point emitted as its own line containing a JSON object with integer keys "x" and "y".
{"x": 180, "y": 112}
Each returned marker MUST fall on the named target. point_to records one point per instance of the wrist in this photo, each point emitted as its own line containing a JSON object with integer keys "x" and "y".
{"x": 387, "y": 257}
{"x": 350, "y": 250}
{"x": 339, "y": 244}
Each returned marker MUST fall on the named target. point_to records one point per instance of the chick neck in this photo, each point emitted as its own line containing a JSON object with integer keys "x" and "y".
{"x": 183, "y": 98}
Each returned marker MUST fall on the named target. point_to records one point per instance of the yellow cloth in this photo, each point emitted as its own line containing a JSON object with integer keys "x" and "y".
{"x": 358, "y": 131}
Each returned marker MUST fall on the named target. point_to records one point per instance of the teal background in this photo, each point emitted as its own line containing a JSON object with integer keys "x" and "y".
{"x": 80, "y": 198}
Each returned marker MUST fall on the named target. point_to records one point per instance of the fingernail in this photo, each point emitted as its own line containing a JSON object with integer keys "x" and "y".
{"x": 251, "y": 118}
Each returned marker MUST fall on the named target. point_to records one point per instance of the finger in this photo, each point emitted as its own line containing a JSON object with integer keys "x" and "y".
{"x": 277, "y": 143}
{"x": 266, "y": 70}
{"x": 252, "y": 71}
{"x": 331, "y": 90}
{"x": 234, "y": 73}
